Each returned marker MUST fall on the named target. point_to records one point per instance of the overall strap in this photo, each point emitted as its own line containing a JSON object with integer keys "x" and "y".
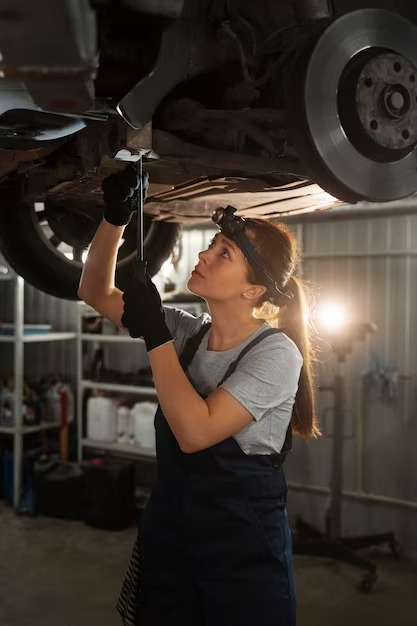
{"x": 191, "y": 346}
{"x": 279, "y": 457}
{"x": 251, "y": 344}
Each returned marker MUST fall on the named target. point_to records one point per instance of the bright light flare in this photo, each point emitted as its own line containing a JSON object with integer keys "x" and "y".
{"x": 332, "y": 316}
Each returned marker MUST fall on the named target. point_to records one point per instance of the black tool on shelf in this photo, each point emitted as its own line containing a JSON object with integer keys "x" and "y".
{"x": 306, "y": 538}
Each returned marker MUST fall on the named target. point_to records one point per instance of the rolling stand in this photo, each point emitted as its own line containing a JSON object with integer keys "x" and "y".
{"x": 306, "y": 538}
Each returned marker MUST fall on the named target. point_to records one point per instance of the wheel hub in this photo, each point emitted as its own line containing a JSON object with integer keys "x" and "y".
{"x": 386, "y": 100}
{"x": 360, "y": 109}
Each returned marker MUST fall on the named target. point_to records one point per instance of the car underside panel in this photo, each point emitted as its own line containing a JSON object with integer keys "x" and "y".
{"x": 29, "y": 31}
{"x": 183, "y": 191}
{"x": 251, "y": 197}
{"x": 281, "y": 109}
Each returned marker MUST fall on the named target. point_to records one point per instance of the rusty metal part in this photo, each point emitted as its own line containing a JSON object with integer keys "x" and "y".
{"x": 46, "y": 74}
{"x": 141, "y": 139}
{"x": 187, "y": 113}
{"x": 98, "y": 140}
{"x": 29, "y": 31}
{"x": 11, "y": 159}
{"x": 169, "y": 146}
{"x": 197, "y": 200}
{"x": 254, "y": 124}
{"x": 69, "y": 169}
{"x": 386, "y": 98}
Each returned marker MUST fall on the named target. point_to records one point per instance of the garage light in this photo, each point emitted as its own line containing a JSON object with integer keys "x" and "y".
{"x": 332, "y": 316}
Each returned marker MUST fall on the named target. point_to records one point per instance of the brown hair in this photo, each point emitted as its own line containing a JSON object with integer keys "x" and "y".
{"x": 278, "y": 248}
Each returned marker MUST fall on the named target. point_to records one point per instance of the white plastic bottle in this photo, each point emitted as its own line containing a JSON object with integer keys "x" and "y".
{"x": 143, "y": 423}
{"x": 123, "y": 424}
{"x": 101, "y": 419}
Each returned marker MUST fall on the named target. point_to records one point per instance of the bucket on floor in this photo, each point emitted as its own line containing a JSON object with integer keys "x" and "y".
{"x": 59, "y": 489}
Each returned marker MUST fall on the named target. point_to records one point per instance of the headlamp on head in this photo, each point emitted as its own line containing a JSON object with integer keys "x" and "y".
{"x": 228, "y": 223}
{"x": 233, "y": 226}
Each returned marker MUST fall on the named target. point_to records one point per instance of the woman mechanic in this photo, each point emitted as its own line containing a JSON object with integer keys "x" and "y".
{"x": 214, "y": 543}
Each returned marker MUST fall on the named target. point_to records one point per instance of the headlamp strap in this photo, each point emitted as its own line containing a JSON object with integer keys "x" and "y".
{"x": 233, "y": 226}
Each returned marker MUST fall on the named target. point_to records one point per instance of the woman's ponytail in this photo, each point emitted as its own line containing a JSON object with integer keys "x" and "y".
{"x": 293, "y": 319}
{"x": 277, "y": 245}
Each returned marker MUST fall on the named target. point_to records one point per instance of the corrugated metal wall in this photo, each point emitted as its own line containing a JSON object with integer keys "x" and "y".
{"x": 55, "y": 357}
{"x": 371, "y": 266}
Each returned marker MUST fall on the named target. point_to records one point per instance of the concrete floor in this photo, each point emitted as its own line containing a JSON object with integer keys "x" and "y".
{"x": 60, "y": 573}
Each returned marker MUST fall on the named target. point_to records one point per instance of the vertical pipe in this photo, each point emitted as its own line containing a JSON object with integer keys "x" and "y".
{"x": 79, "y": 377}
{"x": 387, "y": 307}
{"x": 18, "y": 389}
{"x": 336, "y": 483}
{"x": 407, "y": 321}
{"x": 360, "y": 414}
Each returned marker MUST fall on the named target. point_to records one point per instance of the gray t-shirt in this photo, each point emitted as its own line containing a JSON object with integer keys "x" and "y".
{"x": 265, "y": 381}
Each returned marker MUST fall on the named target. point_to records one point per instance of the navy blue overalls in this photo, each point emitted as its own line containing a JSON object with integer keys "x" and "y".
{"x": 215, "y": 542}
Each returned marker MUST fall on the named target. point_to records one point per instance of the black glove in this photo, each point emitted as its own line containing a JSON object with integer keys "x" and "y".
{"x": 143, "y": 314}
{"x": 119, "y": 195}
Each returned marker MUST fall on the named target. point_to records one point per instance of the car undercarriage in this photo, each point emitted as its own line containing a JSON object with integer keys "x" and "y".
{"x": 279, "y": 108}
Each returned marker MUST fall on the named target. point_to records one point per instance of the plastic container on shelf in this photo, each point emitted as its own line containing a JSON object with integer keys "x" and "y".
{"x": 101, "y": 419}
{"x": 143, "y": 414}
{"x": 6, "y": 407}
{"x": 53, "y": 405}
{"x": 124, "y": 424}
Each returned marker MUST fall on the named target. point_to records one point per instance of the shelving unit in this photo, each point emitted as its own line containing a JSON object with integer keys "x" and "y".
{"x": 115, "y": 387}
{"x": 120, "y": 448}
{"x": 19, "y": 339}
{"x": 28, "y": 430}
{"x": 39, "y": 338}
{"x": 83, "y": 384}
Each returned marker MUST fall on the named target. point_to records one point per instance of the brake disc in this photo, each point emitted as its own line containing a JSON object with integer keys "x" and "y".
{"x": 353, "y": 104}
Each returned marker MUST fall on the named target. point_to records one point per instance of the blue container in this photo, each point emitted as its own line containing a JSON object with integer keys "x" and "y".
{"x": 27, "y": 500}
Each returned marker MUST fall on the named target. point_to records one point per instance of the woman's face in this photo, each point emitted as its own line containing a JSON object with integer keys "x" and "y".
{"x": 221, "y": 272}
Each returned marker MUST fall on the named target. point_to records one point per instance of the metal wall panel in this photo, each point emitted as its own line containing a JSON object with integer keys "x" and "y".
{"x": 40, "y": 359}
{"x": 55, "y": 357}
{"x": 371, "y": 265}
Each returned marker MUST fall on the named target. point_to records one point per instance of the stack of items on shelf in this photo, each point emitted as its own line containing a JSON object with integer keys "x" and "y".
{"x": 97, "y": 371}
{"x": 8, "y": 329}
{"x": 111, "y": 420}
{"x": 42, "y": 402}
